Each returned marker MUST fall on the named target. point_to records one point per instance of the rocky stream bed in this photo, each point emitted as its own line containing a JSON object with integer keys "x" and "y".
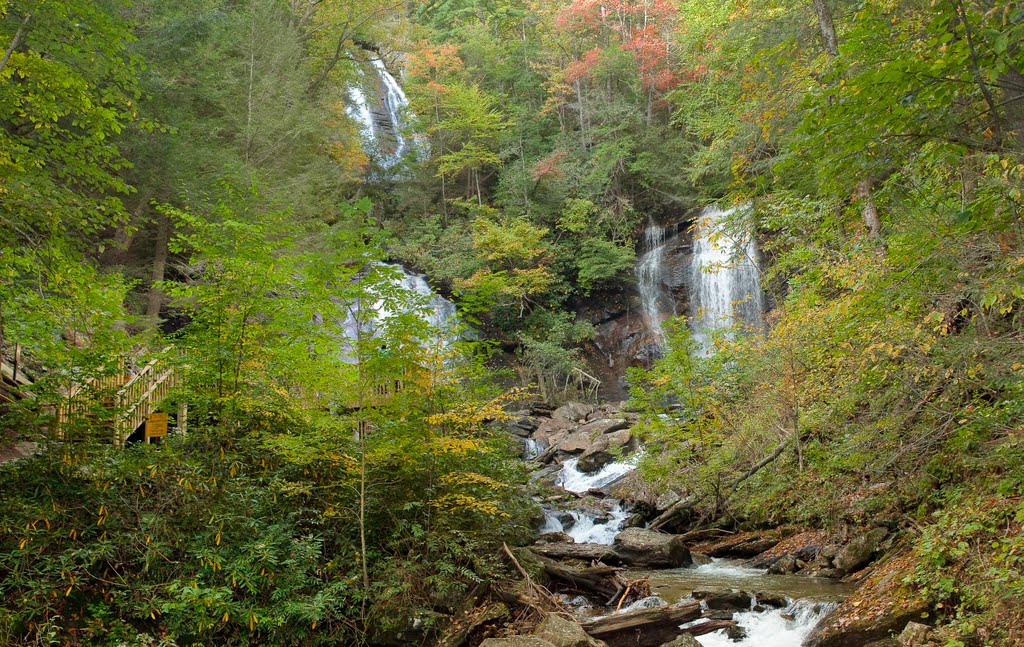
{"x": 617, "y": 563}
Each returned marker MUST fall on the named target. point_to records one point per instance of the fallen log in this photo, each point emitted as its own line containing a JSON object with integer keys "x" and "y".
{"x": 645, "y": 627}
{"x": 585, "y": 552}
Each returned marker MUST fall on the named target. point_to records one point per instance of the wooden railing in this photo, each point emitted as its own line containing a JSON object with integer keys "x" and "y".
{"x": 130, "y": 398}
{"x": 140, "y": 396}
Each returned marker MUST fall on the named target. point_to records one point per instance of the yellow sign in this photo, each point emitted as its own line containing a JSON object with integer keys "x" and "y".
{"x": 156, "y": 425}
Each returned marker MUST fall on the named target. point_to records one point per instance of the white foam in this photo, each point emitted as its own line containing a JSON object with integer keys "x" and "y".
{"x": 570, "y": 478}
{"x": 774, "y": 628}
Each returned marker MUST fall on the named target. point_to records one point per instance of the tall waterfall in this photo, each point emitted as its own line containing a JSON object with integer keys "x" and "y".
{"x": 384, "y": 126}
{"x": 654, "y": 300}
{"x": 725, "y": 280}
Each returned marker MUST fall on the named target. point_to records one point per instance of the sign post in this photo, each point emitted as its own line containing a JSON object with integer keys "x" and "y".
{"x": 156, "y": 426}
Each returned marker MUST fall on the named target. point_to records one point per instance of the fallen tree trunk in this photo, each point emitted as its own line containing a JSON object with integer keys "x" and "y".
{"x": 651, "y": 627}
{"x": 585, "y": 552}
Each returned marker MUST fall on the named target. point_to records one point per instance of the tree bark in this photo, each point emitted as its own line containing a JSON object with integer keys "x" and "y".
{"x": 827, "y": 27}
{"x": 869, "y": 210}
{"x": 156, "y": 296}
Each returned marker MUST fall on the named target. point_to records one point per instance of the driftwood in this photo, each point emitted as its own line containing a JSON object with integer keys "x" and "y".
{"x": 599, "y": 581}
{"x": 674, "y": 509}
{"x": 652, "y": 627}
{"x": 584, "y": 552}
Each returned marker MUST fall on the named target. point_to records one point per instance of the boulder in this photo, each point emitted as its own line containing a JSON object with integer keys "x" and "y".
{"x": 784, "y": 565}
{"x": 880, "y": 607}
{"x": 859, "y": 552}
{"x": 573, "y": 411}
{"x": 642, "y": 547}
{"x": 516, "y": 641}
{"x": 685, "y": 640}
{"x": 773, "y": 600}
{"x": 563, "y": 633}
{"x": 551, "y": 430}
{"x": 915, "y": 634}
{"x": 600, "y": 452}
{"x": 605, "y": 425}
{"x": 577, "y": 442}
{"x": 725, "y": 601}
{"x": 554, "y": 538}
{"x": 667, "y": 499}
{"x": 596, "y": 456}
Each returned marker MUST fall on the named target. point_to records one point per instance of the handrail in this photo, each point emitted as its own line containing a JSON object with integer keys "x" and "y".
{"x": 133, "y": 402}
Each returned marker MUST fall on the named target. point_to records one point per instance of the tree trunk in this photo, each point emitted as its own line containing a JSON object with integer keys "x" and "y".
{"x": 869, "y": 210}
{"x": 827, "y": 27}
{"x": 156, "y": 296}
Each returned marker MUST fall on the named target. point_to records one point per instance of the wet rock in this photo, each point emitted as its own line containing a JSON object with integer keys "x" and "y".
{"x": 554, "y": 538}
{"x": 725, "y": 601}
{"x": 596, "y": 456}
{"x": 881, "y": 606}
{"x": 573, "y": 411}
{"x": 684, "y": 640}
{"x": 915, "y": 634}
{"x": 859, "y": 552}
{"x": 808, "y": 553}
{"x": 772, "y": 600}
{"x": 736, "y": 633}
{"x": 516, "y": 641}
{"x": 828, "y": 573}
{"x": 635, "y": 520}
{"x": 700, "y": 559}
{"x": 784, "y": 565}
{"x": 642, "y": 547}
{"x": 563, "y": 633}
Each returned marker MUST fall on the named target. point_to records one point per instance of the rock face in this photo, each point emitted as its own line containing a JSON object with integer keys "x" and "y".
{"x": 880, "y": 607}
{"x": 685, "y": 640}
{"x": 516, "y": 641}
{"x": 564, "y": 633}
{"x": 642, "y": 547}
{"x": 859, "y": 552}
{"x": 573, "y": 411}
{"x": 600, "y": 452}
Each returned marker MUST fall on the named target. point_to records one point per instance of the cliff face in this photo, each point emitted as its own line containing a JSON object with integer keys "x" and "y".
{"x": 625, "y": 336}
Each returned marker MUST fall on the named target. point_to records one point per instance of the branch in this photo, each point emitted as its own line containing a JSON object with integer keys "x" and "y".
{"x": 15, "y": 41}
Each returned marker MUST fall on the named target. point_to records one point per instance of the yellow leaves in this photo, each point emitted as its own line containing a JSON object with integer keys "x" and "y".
{"x": 457, "y": 503}
{"x": 458, "y": 446}
{"x": 471, "y": 478}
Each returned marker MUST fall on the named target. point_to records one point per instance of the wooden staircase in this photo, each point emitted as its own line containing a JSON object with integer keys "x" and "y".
{"x": 136, "y": 397}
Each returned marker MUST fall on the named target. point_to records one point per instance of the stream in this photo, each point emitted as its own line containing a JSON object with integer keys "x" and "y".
{"x": 806, "y": 599}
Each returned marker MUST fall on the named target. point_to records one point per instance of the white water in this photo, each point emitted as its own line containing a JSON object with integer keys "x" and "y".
{"x": 725, "y": 280}
{"x": 585, "y": 528}
{"x": 365, "y": 320}
{"x": 574, "y": 480}
{"x": 775, "y": 627}
{"x": 384, "y": 127}
{"x": 649, "y": 275}
{"x": 531, "y": 450}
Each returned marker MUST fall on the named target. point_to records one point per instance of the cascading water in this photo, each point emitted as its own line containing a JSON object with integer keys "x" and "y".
{"x": 416, "y": 295}
{"x": 725, "y": 280}
{"x": 655, "y": 302}
{"x": 588, "y": 527}
{"x": 384, "y": 129}
{"x": 775, "y": 627}
{"x": 574, "y": 480}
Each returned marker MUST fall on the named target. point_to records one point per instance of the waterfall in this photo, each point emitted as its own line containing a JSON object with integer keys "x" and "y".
{"x": 416, "y": 294}
{"x": 725, "y": 280}
{"x": 775, "y": 627}
{"x": 384, "y": 127}
{"x": 654, "y": 301}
